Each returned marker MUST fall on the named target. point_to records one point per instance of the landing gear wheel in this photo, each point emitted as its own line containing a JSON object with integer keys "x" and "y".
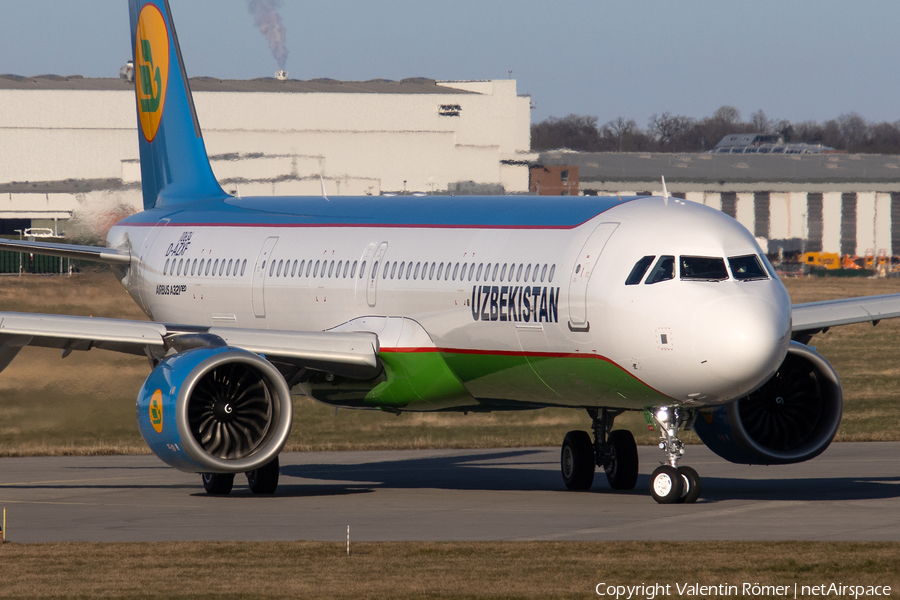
{"x": 264, "y": 480}
{"x": 666, "y": 485}
{"x": 577, "y": 460}
{"x": 691, "y": 481}
{"x": 622, "y": 469}
{"x": 217, "y": 484}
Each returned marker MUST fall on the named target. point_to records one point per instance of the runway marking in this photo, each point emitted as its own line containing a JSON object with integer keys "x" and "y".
{"x": 70, "y": 480}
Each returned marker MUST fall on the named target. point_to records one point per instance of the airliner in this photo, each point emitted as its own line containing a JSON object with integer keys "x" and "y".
{"x": 439, "y": 303}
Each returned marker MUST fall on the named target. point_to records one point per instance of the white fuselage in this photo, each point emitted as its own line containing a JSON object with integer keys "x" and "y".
{"x": 536, "y": 291}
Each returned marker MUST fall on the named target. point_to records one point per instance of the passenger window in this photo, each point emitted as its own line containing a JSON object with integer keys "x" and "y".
{"x": 216, "y": 267}
{"x": 387, "y": 269}
{"x": 316, "y": 269}
{"x": 519, "y": 273}
{"x": 416, "y": 273}
{"x": 747, "y": 268}
{"x": 243, "y": 266}
{"x": 535, "y": 272}
{"x": 527, "y": 273}
{"x": 277, "y": 271}
{"x": 353, "y": 270}
{"x": 294, "y": 269}
{"x": 703, "y": 268}
{"x": 462, "y": 273}
{"x": 494, "y": 274}
{"x": 230, "y": 262}
{"x": 478, "y": 274}
{"x": 447, "y": 273}
{"x": 441, "y": 270}
{"x": 543, "y": 273}
{"x": 222, "y": 267}
{"x": 209, "y": 264}
{"x": 374, "y": 270}
{"x": 193, "y": 266}
{"x": 639, "y": 270}
{"x": 431, "y": 271}
{"x": 663, "y": 270}
{"x": 552, "y": 271}
{"x": 338, "y": 272}
{"x": 200, "y": 268}
{"x": 487, "y": 272}
{"x": 330, "y": 269}
{"x": 272, "y": 266}
{"x": 178, "y": 270}
{"x": 346, "y": 266}
{"x": 455, "y": 270}
{"x": 471, "y": 271}
{"x": 503, "y": 273}
{"x": 166, "y": 268}
{"x": 409, "y": 267}
{"x": 402, "y": 267}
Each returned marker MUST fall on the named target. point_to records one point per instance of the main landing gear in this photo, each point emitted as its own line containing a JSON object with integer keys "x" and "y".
{"x": 263, "y": 480}
{"x": 670, "y": 483}
{"x": 615, "y": 451}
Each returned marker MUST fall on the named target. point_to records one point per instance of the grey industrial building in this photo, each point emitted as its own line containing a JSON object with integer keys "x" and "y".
{"x": 846, "y": 203}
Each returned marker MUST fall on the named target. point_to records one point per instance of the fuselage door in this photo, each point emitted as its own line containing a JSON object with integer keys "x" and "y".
{"x": 581, "y": 275}
{"x": 374, "y": 268}
{"x": 259, "y": 277}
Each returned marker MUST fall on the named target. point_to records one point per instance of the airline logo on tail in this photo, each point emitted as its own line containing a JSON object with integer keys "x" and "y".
{"x": 151, "y": 61}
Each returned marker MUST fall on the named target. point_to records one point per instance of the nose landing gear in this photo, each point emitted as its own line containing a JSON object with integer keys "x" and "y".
{"x": 615, "y": 451}
{"x": 670, "y": 483}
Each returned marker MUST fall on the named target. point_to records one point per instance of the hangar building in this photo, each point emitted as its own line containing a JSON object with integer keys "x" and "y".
{"x": 844, "y": 203}
{"x": 70, "y": 143}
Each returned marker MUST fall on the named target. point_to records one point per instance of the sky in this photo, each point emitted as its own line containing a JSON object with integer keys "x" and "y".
{"x": 794, "y": 59}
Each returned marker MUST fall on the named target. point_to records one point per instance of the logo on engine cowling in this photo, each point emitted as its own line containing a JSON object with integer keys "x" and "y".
{"x": 156, "y": 411}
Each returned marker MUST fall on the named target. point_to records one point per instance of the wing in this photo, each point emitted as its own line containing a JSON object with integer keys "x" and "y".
{"x": 813, "y": 317}
{"x": 95, "y": 253}
{"x": 351, "y": 354}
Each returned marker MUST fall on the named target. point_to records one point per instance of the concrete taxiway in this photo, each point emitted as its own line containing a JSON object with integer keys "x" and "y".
{"x": 849, "y": 493}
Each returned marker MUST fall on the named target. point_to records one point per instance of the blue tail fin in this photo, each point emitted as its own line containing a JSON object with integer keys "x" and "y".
{"x": 174, "y": 164}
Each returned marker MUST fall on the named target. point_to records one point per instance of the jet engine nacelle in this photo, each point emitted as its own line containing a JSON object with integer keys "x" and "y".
{"x": 791, "y": 418}
{"x": 215, "y": 410}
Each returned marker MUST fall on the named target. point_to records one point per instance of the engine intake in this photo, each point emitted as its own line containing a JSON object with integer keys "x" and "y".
{"x": 215, "y": 410}
{"x": 791, "y": 418}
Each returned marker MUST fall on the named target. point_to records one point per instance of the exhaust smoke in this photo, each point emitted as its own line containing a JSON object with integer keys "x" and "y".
{"x": 266, "y": 17}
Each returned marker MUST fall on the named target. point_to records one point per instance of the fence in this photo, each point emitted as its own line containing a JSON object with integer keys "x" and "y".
{"x": 10, "y": 262}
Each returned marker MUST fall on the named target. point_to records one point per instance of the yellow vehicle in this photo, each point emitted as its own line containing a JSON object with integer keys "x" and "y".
{"x": 826, "y": 260}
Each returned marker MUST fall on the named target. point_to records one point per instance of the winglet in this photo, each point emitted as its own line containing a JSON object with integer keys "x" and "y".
{"x": 174, "y": 165}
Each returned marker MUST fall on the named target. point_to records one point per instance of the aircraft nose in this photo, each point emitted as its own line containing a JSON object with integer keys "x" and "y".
{"x": 742, "y": 340}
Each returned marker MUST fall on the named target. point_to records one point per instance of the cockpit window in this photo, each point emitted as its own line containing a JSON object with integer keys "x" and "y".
{"x": 703, "y": 268}
{"x": 639, "y": 270}
{"x": 663, "y": 270}
{"x": 747, "y": 268}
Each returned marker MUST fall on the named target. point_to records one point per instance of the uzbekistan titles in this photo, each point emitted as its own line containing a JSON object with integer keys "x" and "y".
{"x": 535, "y": 304}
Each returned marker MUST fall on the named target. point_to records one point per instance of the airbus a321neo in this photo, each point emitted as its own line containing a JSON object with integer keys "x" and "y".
{"x": 441, "y": 304}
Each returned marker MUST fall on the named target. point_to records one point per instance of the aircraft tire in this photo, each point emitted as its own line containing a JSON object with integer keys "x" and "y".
{"x": 622, "y": 474}
{"x": 692, "y": 487}
{"x": 264, "y": 480}
{"x": 577, "y": 461}
{"x": 666, "y": 485}
{"x": 218, "y": 484}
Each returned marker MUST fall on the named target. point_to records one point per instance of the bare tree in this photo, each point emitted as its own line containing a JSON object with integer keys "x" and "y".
{"x": 667, "y": 127}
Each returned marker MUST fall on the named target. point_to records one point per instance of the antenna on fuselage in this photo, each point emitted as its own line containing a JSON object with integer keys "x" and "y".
{"x": 665, "y": 191}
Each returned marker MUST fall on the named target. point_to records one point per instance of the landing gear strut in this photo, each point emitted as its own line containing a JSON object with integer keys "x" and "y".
{"x": 670, "y": 483}
{"x": 615, "y": 451}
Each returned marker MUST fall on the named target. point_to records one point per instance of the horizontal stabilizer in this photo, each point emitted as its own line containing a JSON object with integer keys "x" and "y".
{"x": 95, "y": 253}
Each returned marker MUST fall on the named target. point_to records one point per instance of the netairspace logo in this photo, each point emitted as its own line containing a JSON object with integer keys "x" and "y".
{"x": 744, "y": 590}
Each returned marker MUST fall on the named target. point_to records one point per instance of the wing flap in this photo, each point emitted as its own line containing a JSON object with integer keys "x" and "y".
{"x": 352, "y": 354}
{"x": 95, "y": 253}
{"x": 815, "y": 316}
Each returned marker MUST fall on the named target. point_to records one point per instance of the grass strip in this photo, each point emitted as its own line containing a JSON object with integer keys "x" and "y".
{"x": 400, "y": 570}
